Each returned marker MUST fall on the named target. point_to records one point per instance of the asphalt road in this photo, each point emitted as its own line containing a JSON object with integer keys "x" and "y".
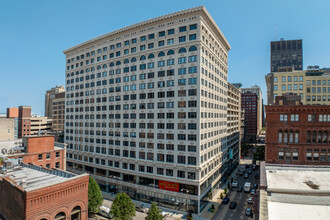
{"x": 241, "y": 198}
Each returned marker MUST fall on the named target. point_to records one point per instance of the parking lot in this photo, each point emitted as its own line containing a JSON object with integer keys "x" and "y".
{"x": 241, "y": 198}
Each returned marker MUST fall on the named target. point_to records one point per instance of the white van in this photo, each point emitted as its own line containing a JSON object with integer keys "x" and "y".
{"x": 247, "y": 187}
{"x": 105, "y": 211}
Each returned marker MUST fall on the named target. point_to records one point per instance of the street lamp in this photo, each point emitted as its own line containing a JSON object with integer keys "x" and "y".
{"x": 187, "y": 191}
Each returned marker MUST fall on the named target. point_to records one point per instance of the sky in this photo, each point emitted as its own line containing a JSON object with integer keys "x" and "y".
{"x": 34, "y": 33}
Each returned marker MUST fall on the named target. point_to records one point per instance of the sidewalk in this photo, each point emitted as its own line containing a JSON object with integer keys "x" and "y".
{"x": 172, "y": 214}
{"x": 216, "y": 201}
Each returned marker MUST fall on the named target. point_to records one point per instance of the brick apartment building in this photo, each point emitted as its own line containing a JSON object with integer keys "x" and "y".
{"x": 249, "y": 105}
{"x": 32, "y": 192}
{"x": 298, "y": 134}
{"x": 37, "y": 150}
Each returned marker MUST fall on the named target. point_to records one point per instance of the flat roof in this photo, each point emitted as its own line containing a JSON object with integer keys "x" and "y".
{"x": 280, "y": 211}
{"x": 298, "y": 179}
{"x": 31, "y": 177}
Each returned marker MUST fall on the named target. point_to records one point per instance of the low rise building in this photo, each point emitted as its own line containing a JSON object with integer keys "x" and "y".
{"x": 32, "y": 192}
{"x": 7, "y": 128}
{"x": 37, "y": 150}
{"x": 298, "y": 134}
{"x": 294, "y": 192}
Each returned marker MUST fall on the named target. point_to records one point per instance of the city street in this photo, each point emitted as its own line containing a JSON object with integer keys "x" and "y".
{"x": 241, "y": 198}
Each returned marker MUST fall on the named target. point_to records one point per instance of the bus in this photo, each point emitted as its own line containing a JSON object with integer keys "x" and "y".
{"x": 247, "y": 187}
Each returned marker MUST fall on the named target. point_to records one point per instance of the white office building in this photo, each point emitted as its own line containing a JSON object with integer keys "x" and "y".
{"x": 146, "y": 109}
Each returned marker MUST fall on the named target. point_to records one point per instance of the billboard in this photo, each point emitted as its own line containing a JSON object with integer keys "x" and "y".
{"x": 169, "y": 186}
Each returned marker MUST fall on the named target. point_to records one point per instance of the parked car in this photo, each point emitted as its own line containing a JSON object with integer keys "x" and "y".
{"x": 253, "y": 191}
{"x": 258, "y": 172}
{"x": 255, "y": 185}
{"x": 240, "y": 189}
{"x": 248, "y": 212}
{"x": 250, "y": 200}
{"x": 246, "y": 176}
{"x": 225, "y": 201}
{"x": 250, "y": 171}
{"x": 257, "y": 176}
{"x": 247, "y": 166}
{"x": 232, "y": 205}
{"x": 241, "y": 172}
{"x": 234, "y": 184}
{"x": 254, "y": 167}
{"x": 105, "y": 212}
{"x": 140, "y": 208}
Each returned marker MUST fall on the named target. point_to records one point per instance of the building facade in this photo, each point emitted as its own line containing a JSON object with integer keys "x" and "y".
{"x": 32, "y": 192}
{"x": 233, "y": 126}
{"x": 298, "y": 134}
{"x": 38, "y": 150}
{"x": 286, "y": 53}
{"x": 312, "y": 85}
{"x": 260, "y": 117}
{"x": 146, "y": 109}
{"x": 250, "y": 102}
{"x": 7, "y": 128}
{"x": 58, "y": 114}
{"x": 49, "y": 97}
{"x": 22, "y": 116}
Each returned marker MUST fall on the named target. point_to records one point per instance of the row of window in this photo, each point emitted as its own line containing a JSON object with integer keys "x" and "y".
{"x": 318, "y": 98}
{"x": 289, "y": 88}
{"x": 289, "y": 79}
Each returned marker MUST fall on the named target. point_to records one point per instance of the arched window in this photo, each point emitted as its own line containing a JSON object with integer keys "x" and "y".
{"x": 142, "y": 57}
{"x": 77, "y": 73}
{"x": 82, "y": 71}
{"x": 182, "y": 50}
{"x": 68, "y": 75}
{"x": 133, "y": 60}
{"x": 60, "y": 216}
{"x": 126, "y": 61}
{"x": 98, "y": 67}
{"x": 104, "y": 66}
{"x": 111, "y": 64}
{"x": 93, "y": 69}
{"x": 319, "y": 137}
{"x": 76, "y": 213}
{"x": 193, "y": 48}
{"x": 314, "y": 137}
{"x": 118, "y": 63}
{"x": 325, "y": 137}
{"x": 151, "y": 56}
{"x": 285, "y": 139}
{"x": 291, "y": 137}
{"x": 161, "y": 54}
{"x": 280, "y": 136}
{"x": 296, "y": 137}
{"x": 72, "y": 74}
{"x": 170, "y": 52}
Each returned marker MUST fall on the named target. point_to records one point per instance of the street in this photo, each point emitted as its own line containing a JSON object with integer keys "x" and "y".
{"x": 241, "y": 198}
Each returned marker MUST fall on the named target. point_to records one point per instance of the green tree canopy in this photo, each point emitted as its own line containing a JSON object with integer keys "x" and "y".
{"x": 154, "y": 213}
{"x": 123, "y": 208}
{"x": 95, "y": 198}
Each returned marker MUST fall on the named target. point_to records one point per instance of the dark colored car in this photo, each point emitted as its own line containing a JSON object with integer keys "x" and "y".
{"x": 232, "y": 205}
{"x": 255, "y": 185}
{"x": 247, "y": 166}
{"x": 250, "y": 171}
{"x": 246, "y": 176}
{"x": 248, "y": 212}
{"x": 239, "y": 189}
{"x": 241, "y": 172}
{"x": 258, "y": 172}
{"x": 225, "y": 201}
{"x": 257, "y": 176}
{"x": 254, "y": 167}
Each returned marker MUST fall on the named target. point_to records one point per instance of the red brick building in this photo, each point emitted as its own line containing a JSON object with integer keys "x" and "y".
{"x": 298, "y": 134}
{"x": 23, "y": 113}
{"x": 249, "y": 103}
{"x": 40, "y": 151}
{"x": 32, "y": 192}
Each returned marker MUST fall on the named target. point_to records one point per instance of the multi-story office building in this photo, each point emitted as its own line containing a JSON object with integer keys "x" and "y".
{"x": 257, "y": 90}
{"x": 313, "y": 85}
{"x": 58, "y": 115}
{"x": 146, "y": 109}
{"x": 49, "y": 97}
{"x": 233, "y": 126}
{"x": 298, "y": 134}
{"x": 250, "y": 102}
{"x": 286, "y": 53}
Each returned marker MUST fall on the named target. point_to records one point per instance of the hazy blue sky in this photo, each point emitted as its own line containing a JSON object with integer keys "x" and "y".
{"x": 33, "y": 35}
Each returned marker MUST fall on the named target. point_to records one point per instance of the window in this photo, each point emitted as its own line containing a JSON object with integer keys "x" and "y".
{"x": 181, "y": 174}
{"x": 311, "y": 117}
{"x": 283, "y": 117}
{"x": 170, "y": 41}
{"x": 171, "y": 31}
{"x": 182, "y": 29}
{"x": 161, "y": 34}
{"x": 39, "y": 156}
{"x": 47, "y": 156}
{"x": 192, "y": 37}
{"x": 193, "y": 26}
{"x": 57, "y": 154}
{"x": 294, "y": 117}
{"x": 182, "y": 39}
{"x": 283, "y": 78}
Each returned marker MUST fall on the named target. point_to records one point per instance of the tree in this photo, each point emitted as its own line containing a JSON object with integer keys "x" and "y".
{"x": 123, "y": 208}
{"x": 221, "y": 196}
{"x": 95, "y": 198}
{"x": 154, "y": 213}
{"x": 225, "y": 191}
{"x": 260, "y": 153}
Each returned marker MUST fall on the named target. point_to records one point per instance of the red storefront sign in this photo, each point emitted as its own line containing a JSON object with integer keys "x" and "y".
{"x": 169, "y": 186}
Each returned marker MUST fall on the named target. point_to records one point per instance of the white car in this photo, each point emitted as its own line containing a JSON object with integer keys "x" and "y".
{"x": 234, "y": 184}
{"x": 250, "y": 200}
